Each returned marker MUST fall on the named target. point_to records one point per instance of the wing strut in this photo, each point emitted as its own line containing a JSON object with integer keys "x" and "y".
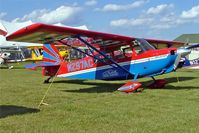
{"x": 104, "y": 55}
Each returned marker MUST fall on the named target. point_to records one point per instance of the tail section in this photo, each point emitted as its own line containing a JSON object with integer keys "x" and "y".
{"x": 51, "y": 58}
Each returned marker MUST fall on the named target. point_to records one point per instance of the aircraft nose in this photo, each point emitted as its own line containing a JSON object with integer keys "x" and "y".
{"x": 183, "y": 52}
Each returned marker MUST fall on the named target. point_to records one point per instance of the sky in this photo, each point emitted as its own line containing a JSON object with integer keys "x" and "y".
{"x": 159, "y": 19}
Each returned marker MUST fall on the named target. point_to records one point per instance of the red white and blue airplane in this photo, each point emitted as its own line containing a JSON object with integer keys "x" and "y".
{"x": 109, "y": 56}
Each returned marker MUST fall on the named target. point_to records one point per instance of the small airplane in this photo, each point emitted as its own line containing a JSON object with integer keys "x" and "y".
{"x": 110, "y": 56}
{"x": 4, "y": 56}
{"x": 11, "y": 54}
{"x": 36, "y": 52}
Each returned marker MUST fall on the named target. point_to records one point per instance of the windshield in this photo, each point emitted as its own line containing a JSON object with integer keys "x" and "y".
{"x": 145, "y": 46}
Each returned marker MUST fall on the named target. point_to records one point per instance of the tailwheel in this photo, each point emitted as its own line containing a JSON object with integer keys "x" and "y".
{"x": 160, "y": 83}
{"x": 47, "y": 80}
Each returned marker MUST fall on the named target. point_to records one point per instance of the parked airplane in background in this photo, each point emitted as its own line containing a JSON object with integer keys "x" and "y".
{"x": 36, "y": 52}
{"x": 11, "y": 54}
{"x": 4, "y": 56}
{"x": 193, "y": 60}
{"x": 110, "y": 56}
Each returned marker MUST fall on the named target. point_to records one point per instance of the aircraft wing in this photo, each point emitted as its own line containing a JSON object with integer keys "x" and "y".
{"x": 43, "y": 33}
{"x": 40, "y": 64}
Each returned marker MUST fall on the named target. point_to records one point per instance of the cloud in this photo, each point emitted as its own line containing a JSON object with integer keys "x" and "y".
{"x": 90, "y": 2}
{"x": 161, "y": 26}
{"x": 119, "y": 22}
{"x": 159, "y": 9}
{"x": 160, "y": 17}
{"x": 61, "y": 14}
{"x": 116, "y": 7}
{"x": 191, "y": 14}
{"x": 36, "y": 14}
{"x": 130, "y": 22}
{"x": 2, "y": 14}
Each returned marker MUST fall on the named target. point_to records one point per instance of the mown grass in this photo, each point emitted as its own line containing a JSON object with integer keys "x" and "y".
{"x": 96, "y": 106}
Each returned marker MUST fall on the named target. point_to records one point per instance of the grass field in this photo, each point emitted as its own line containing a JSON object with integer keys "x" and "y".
{"x": 96, "y": 106}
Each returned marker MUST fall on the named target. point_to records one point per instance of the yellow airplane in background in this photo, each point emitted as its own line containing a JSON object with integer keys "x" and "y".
{"x": 36, "y": 52}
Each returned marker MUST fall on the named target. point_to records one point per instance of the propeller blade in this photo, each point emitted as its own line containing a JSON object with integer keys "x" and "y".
{"x": 177, "y": 61}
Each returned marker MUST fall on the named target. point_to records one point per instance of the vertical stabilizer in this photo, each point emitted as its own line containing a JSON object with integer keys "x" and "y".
{"x": 51, "y": 54}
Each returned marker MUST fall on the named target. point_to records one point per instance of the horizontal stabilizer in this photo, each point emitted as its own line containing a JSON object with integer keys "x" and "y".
{"x": 33, "y": 66}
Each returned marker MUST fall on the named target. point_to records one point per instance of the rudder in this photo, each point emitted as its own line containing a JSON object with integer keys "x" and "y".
{"x": 51, "y": 54}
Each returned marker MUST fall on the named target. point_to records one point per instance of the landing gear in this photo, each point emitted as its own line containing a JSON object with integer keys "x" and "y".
{"x": 160, "y": 83}
{"x": 47, "y": 80}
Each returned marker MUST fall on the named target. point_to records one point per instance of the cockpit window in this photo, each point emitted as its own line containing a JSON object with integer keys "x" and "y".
{"x": 142, "y": 45}
{"x": 138, "y": 49}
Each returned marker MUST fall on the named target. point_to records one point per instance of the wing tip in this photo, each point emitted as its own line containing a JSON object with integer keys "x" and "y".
{"x": 24, "y": 31}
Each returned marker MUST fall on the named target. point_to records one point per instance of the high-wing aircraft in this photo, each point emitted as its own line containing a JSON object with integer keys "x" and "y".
{"x": 109, "y": 56}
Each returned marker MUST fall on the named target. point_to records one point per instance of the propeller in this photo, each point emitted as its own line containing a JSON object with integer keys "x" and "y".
{"x": 177, "y": 61}
{"x": 182, "y": 52}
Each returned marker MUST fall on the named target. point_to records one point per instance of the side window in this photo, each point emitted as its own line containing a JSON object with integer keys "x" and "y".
{"x": 127, "y": 52}
{"x": 74, "y": 54}
{"x": 102, "y": 58}
{"x": 138, "y": 49}
{"x": 118, "y": 54}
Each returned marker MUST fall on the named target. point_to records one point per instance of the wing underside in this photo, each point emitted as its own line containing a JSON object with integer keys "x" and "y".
{"x": 43, "y": 33}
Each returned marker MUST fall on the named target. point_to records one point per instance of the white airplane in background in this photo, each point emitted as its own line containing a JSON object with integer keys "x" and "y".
{"x": 4, "y": 57}
{"x": 9, "y": 48}
{"x": 7, "y": 54}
